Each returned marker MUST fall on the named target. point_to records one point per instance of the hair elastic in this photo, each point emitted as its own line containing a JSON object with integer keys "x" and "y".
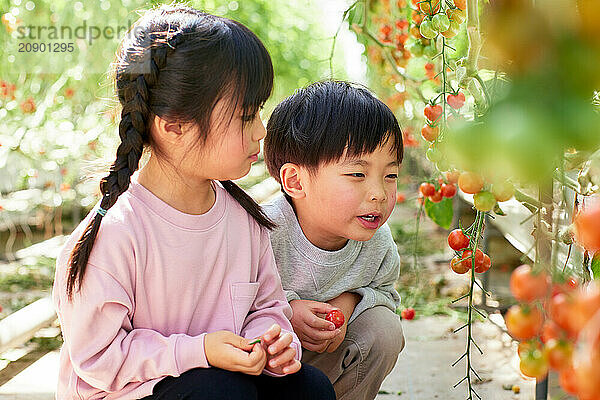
{"x": 101, "y": 211}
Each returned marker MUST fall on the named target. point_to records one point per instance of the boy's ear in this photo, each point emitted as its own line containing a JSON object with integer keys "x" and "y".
{"x": 291, "y": 180}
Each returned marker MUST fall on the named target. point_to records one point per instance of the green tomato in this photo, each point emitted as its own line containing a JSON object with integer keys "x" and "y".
{"x": 484, "y": 201}
{"x": 452, "y": 30}
{"x": 440, "y": 22}
{"x": 430, "y": 51}
{"x": 433, "y": 154}
{"x": 427, "y": 30}
{"x": 416, "y": 49}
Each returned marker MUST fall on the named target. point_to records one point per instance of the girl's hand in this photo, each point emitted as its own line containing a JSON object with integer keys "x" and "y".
{"x": 314, "y": 332}
{"x": 231, "y": 352}
{"x": 280, "y": 356}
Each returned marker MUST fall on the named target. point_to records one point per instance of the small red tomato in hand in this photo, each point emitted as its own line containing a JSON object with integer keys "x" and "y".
{"x": 408, "y": 313}
{"x": 456, "y": 101}
{"x": 337, "y": 317}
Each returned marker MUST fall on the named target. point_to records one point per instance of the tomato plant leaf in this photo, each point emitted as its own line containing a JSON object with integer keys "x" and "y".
{"x": 441, "y": 213}
{"x": 595, "y": 266}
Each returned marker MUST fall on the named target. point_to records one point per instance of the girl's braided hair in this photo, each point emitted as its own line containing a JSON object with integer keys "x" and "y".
{"x": 176, "y": 62}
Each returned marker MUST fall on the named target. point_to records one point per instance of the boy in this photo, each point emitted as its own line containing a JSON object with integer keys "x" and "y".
{"x": 335, "y": 149}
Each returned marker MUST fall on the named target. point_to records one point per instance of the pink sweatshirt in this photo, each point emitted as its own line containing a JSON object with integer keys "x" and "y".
{"x": 157, "y": 281}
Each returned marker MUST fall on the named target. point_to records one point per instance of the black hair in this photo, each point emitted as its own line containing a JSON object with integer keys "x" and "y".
{"x": 320, "y": 122}
{"x": 177, "y": 62}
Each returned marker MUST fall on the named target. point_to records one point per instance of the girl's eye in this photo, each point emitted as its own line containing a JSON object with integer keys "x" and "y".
{"x": 392, "y": 176}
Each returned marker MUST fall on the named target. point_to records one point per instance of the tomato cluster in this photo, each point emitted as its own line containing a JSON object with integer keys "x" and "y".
{"x": 464, "y": 259}
{"x": 558, "y": 326}
{"x": 439, "y": 190}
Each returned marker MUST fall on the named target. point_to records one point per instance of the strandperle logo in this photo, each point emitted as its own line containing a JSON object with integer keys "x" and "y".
{"x": 90, "y": 33}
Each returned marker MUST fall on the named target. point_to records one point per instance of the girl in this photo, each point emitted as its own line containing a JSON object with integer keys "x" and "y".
{"x": 161, "y": 290}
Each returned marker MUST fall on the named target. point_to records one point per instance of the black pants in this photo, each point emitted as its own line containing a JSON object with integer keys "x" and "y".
{"x": 217, "y": 384}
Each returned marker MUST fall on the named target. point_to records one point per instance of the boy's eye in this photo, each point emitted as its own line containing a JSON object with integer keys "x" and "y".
{"x": 357, "y": 175}
{"x": 392, "y": 176}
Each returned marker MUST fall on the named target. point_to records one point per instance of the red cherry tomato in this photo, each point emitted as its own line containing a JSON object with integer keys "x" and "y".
{"x": 457, "y": 240}
{"x": 427, "y": 189}
{"x": 523, "y": 322}
{"x": 448, "y": 190}
{"x": 559, "y": 352}
{"x": 527, "y": 286}
{"x": 479, "y": 259}
{"x": 567, "y": 380}
{"x": 430, "y": 133}
{"x": 458, "y": 266}
{"x": 550, "y": 331}
{"x": 432, "y": 112}
{"x": 437, "y": 196}
{"x": 337, "y": 317}
{"x": 456, "y": 101}
{"x": 408, "y": 313}
{"x": 485, "y": 265}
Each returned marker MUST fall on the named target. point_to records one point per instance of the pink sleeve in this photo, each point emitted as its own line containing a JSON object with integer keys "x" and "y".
{"x": 270, "y": 305}
{"x": 105, "y": 351}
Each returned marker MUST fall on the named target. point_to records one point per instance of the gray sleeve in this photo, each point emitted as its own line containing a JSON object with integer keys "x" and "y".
{"x": 381, "y": 290}
{"x": 291, "y": 295}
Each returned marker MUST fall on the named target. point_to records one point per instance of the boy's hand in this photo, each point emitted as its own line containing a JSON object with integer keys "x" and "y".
{"x": 312, "y": 329}
{"x": 226, "y": 350}
{"x": 346, "y": 302}
{"x": 280, "y": 356}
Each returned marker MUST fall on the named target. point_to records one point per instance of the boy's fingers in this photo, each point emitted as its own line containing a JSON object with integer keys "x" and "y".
{"x": 322, "y": 308}
{"x": 316, "y": 335}
{"x": 319, "y": 323}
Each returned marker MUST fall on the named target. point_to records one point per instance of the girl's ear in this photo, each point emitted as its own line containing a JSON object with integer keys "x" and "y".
{"x": 291, "y": 180}
{"x": 164, "y": 130}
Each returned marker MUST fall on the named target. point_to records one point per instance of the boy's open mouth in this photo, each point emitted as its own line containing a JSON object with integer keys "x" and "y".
{"x": 370, "y": 221}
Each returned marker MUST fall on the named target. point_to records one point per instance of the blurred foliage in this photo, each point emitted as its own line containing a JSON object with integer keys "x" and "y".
{"x": 58, "y": 115}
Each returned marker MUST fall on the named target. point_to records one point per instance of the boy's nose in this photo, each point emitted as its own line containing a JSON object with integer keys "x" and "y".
{"x": 378, "y": 193}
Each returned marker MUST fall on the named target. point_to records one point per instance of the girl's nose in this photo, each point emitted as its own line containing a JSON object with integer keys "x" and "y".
{"x": 259, "y": 130}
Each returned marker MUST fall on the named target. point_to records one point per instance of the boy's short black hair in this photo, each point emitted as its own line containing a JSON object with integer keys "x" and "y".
{"x": 316, "y": 124}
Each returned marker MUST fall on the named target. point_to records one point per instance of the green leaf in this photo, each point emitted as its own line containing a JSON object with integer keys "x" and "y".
{"x": 441, "y": 213}
{"x": 596, "y": 265}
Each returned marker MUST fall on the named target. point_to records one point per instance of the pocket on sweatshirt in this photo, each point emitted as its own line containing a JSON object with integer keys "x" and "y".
{"x": 242, "y": 298}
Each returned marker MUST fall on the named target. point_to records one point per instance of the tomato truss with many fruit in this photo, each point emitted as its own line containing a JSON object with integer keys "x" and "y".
{"x": 505, "y": 132}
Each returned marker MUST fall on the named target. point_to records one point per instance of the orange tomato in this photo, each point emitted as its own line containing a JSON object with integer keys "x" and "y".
{"x": 470, "y": 182}
{"x": 527, "y": 286}
{"x": 523, "y": 322}
{"x": 587, "y": 228}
